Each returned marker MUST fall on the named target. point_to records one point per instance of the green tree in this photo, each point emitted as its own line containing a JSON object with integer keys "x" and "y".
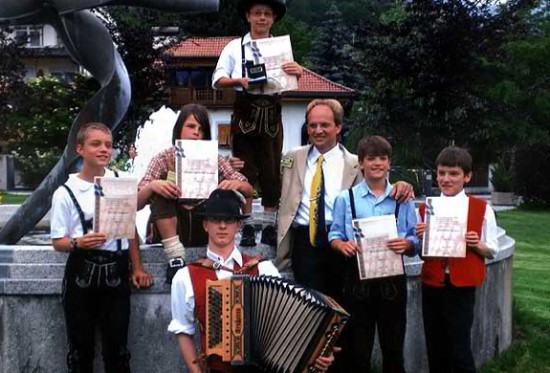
{"x": 425, "y": 62}
{"x": 39, "y": 127}
{"x": 333, "y": 53}
{"x": 12, "y": 72}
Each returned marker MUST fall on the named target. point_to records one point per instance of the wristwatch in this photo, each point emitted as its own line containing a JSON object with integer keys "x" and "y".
{"x": 72, "y": 245}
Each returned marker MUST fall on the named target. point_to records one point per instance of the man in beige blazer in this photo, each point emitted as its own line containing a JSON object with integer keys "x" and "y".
{"x": 316, "y": 267}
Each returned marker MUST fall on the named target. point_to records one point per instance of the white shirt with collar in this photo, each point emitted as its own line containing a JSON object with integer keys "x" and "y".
{"x": 64, "y": 219}
{"x": 489, "y": 230}
{"x": 183, "y": 297}
{"x": 333, "y": 168}
{"x": 230, "y": 62}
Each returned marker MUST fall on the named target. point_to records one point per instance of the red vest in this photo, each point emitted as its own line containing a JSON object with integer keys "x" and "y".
{"x": 468, "y": 271}
{"x": 199, "y": 275}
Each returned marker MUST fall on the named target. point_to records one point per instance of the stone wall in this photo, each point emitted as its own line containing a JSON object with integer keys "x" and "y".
{"x": 32, "y": 335}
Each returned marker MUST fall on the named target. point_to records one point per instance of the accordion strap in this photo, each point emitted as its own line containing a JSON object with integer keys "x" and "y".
{"x": 213, "y": 265}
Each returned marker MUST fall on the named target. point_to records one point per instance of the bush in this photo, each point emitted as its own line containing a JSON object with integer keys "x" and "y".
{"x": 502, "y": 177}
{"x": 532, "y": 167}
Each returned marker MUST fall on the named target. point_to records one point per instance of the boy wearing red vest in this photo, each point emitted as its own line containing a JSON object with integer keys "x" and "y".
{"x": 449, "y": 284}
{"x": 222, "y": 221}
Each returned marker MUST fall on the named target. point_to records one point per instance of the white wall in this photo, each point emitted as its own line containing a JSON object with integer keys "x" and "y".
{"x": 293, "y": 118}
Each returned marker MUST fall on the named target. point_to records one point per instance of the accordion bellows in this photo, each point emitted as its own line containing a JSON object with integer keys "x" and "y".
{"x": 271, "y": 323}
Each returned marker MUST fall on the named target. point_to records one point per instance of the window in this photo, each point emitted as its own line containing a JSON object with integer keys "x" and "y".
{"x": 224, "y": 135}
{"x": 30, "y": 36}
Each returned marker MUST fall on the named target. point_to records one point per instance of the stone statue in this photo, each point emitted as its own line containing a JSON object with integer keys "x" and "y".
{"x": 89, "y": 43}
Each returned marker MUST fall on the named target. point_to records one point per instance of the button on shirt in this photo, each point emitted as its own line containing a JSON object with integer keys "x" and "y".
{"x": 368, "y": 205}
{"x": 230, "y": 62}
{"x": 333, "y": 168}
{"x": 183, "y": 297}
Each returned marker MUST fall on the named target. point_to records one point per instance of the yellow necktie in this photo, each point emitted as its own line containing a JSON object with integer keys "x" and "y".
{"x": 314, "y": 200}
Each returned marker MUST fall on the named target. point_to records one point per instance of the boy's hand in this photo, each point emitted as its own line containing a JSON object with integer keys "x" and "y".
{"x": 472, "y": 240}
{"x": 166, "y": 189}
{"x": 236, "y": 163}
{"x": 402, "y": 191}
{"x": 346, "y": 248}
{"x": 420, "y": 229}
{"x": 141, "y": 278}
{"x": 91, "y": 241}
{"x": 399, "y": 245}
{"x": 293, "y": 68}
{"x": 322, "y": 363}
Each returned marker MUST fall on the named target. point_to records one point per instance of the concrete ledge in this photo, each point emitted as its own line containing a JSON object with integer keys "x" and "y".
{"x": 33, "y": 334}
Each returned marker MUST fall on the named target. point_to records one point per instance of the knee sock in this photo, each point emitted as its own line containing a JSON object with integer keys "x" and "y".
{"x": 269, "y": 218}
{"x": 247, "y": 221}
{"x": 173, "y": 248}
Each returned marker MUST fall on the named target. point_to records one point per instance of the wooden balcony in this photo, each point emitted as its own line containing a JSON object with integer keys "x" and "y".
{"x": 208, "y": 97}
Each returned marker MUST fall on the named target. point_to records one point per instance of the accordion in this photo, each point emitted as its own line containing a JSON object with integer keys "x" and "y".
{"x": 269, "y": 322}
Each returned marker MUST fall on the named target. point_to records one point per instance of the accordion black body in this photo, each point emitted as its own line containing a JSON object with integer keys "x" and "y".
{"x": 269, "y": 322}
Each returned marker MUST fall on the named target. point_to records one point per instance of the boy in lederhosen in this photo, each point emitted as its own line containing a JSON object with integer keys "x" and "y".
{"x": 256, "y": 124}
{"x": 96, "y": 283}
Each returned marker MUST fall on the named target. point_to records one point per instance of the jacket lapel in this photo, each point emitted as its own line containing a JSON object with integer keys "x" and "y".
{"x": 301, "y": 162}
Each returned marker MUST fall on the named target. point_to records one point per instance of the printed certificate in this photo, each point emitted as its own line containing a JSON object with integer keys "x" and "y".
{"x": 274, "y": 52}
{"x": 196, "y": 168}
{"x": 374, "y": 258}
{"x": 115, "y": 206}
{"x": 446, "y": 224}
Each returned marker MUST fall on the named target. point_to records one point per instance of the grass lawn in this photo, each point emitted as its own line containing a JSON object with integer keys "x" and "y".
{"x": 530, "y": 351}
{"x": 12, "y": 199}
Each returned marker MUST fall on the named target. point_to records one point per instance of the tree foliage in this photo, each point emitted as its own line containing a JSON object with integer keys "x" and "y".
{"x": 333, "y": 53}
{"x": 38, "y": 128}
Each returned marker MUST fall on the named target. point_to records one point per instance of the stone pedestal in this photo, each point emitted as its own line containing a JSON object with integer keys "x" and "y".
{"x": 32, "y": 326}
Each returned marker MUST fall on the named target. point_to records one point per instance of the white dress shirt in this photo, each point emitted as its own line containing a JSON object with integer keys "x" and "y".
{"x": 183, "y": 297}
{"x": 333, "y": 168}
{"x": 230, "y": 62}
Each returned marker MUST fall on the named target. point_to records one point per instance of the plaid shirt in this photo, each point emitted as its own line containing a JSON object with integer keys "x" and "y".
{"x": 166, "y": 161}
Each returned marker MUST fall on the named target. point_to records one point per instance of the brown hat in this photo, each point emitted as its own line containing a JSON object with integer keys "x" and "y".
{"x": 278, "y": 6}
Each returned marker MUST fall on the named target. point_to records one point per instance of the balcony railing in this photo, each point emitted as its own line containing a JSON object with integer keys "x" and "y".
{"x": 180, "y": 96}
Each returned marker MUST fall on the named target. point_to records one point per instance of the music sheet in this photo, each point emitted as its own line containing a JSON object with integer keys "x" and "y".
{"x": 446, "y": 224}
{"x": 196, "y": 168}
{"x": 374, "y": 259}
{"x": 274, "y": 52}
{"x": 115, "y": 206}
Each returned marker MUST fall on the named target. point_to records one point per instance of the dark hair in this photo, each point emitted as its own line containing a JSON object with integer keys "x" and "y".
{"x": 200, "y": 113}
{"x": 83, "y": 131}
{"x": 373, "y": 146}
{"x": 332, "y": 104}
{"x": 453, "y": 156}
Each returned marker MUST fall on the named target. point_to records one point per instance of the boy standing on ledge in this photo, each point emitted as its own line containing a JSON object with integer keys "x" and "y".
{"x": 449, "y": 284}
{"x": 96, "y": 289}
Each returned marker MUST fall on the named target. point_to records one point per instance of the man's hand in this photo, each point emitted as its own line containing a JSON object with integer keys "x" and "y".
{"x": 346, "y": 248}
{"x": 402, "y": 192}
{"x": 399, "y": 245}
{"x": 91, "y": 241}
{"x": 166, "y": 189}
{"x": 420, "y": 229}
{"x": 141, "y": 278}
{"x": 293, "y": 68}
{"x": 236, "y": 163}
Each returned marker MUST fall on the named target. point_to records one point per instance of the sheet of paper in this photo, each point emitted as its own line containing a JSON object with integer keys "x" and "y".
{"x": 374, "y": 258}
{"x": 274, "y": 52}
{"x": 196, "y": 168}
{"x": 446, "y": 223}
{"x": 115, "y": 206}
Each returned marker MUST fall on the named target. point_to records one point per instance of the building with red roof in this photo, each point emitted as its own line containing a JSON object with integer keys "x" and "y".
{"x": 191, "y": 63}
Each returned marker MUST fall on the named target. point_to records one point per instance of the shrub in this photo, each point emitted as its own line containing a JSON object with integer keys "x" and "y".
{"x": 532, "y": 167}
{"x": 502, "y": 177}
